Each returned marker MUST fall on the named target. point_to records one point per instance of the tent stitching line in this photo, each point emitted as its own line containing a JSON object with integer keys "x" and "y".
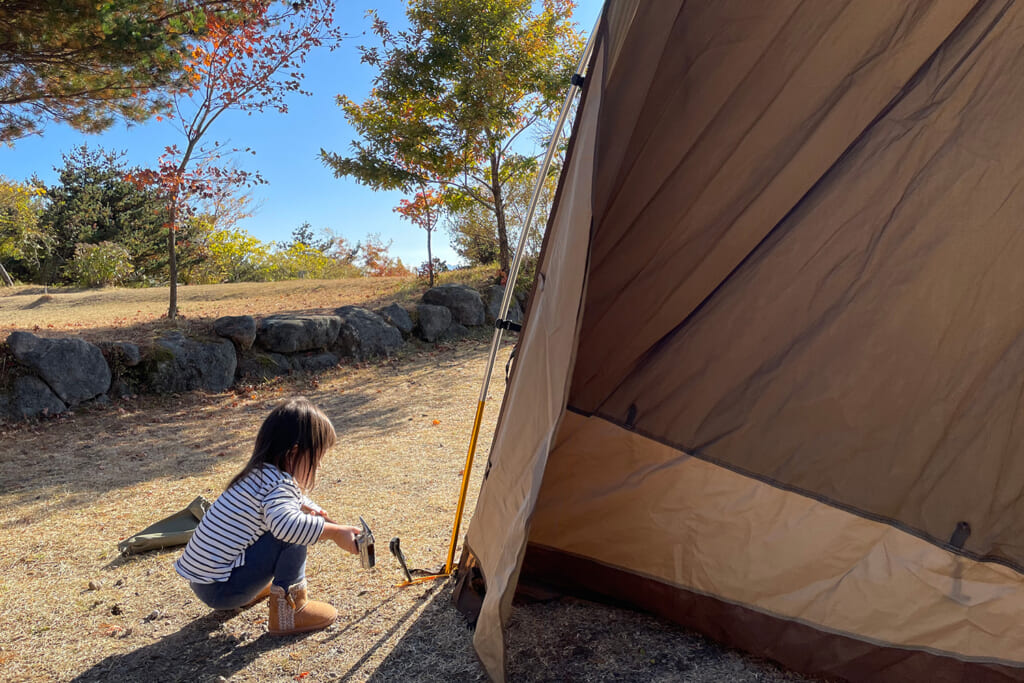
{"x": 775, "y": 615}
{"x": 644, "y": 359}
{"x": 813, "y": 495}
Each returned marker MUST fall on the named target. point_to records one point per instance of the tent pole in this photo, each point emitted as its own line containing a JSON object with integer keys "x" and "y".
{"x": 509, "y": 290}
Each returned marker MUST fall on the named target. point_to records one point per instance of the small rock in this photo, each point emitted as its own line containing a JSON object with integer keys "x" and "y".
{"x": 155, "y": 614}
{"x": 116, "y": 610}
{"x": 95, "y": 585}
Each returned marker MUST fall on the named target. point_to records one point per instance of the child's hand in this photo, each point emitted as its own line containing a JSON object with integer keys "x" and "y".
{"x": 344, "y": 536}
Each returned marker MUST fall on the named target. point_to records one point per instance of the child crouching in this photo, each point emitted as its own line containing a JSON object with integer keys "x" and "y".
{"x": 252, "y": 541}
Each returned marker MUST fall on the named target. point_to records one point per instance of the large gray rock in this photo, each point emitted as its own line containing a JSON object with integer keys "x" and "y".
{"x": 494, "y": 295}
{"x": 315, "y": 362}
{"x": 73, "y": 368}
{"x": 454, "y": 331}
{"x": 291, "y": 334}
{"x": 121, "y": 353}
{"x": 33, "y": 397}
{"x": 432, "y": 321}
{"x": 240, "y": 329}
{"x": 399, "y": 317}
{"x": 121, "y": 357}
{"x": 263, "y": 366}
{"x": 464, "y": 302}
{"x": 178, "y": 363}
{"x": 365, "y": 334}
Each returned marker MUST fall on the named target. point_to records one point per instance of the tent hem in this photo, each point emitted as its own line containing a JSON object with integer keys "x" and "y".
{"x": 801, "y": 646}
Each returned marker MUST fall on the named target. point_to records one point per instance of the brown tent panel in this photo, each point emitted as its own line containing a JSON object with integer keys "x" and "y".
{"x": 777, "y": 340}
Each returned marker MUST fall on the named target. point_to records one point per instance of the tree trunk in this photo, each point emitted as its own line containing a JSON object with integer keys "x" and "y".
{"x": 430, "y": 259}
{"x": 10, "y": 283}
{"x": 172, "y": 263}
{"x": 499, "y": 215}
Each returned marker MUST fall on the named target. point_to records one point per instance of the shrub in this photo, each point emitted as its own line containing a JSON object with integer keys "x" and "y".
{"x": 100, "y": 265}
{"x": 423, "y": 271}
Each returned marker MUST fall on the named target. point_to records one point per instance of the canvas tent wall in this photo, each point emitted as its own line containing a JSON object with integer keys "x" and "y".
{"x": 776, "y": 346}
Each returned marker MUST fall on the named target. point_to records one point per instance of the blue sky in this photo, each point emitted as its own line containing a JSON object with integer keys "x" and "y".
{"x": 299, "y": 187}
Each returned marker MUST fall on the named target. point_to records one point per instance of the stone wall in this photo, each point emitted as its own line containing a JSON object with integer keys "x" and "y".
{"x": 52, "y": 376}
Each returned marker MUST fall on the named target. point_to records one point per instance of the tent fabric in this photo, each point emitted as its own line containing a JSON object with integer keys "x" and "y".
{"x": 903, "y": 260}
{"x": 777, "y": 337}
{"x": 802, "y": 561}
{"x": 536, "y": 393}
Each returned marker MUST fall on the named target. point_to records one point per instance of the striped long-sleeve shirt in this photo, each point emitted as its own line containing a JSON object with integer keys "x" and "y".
{"x": 267, "y": 499}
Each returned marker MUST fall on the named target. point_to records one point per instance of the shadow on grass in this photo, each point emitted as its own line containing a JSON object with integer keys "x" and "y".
{"x": 438, "y": 645}
{"x": 99, "y": 451}
{"x": 201, "y": 650}
{"x": 354, "y": 670}
{"x": 569, "y": 639}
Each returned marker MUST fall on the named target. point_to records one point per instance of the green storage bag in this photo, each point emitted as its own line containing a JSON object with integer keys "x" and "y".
{"x": 168, "y": 532}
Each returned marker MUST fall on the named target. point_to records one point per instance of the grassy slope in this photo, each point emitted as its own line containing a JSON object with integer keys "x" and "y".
{"x": 135, "y": 314}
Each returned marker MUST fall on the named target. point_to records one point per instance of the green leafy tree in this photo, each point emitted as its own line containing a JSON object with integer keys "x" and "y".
{"x": 100, "y": 265}
{"x": 423, "y": 211}
{"x": 87, "y": 63}
{"x": 232, "y": 255}
{"x": 454, "y": 95}
{"x": 94, "y": 201}
{"x": 474, "y": 235}
{"x": 300, "y": 261}
{"x": 246, "y": 64}
{"x": 22, "y": 241}
{"x": 303, "y": 235}
{"x": 377, "y": 260}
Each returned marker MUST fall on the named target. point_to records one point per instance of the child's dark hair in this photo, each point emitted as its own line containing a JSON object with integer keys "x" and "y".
{"x": 295, "y": 435}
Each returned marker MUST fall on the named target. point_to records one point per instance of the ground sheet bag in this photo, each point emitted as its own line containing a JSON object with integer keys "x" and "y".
{"x": 168, "y": 532}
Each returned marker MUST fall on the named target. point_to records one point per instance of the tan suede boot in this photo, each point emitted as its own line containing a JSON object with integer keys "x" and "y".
{"x": 262, "y": 595}
{"x": 293, "y": 612}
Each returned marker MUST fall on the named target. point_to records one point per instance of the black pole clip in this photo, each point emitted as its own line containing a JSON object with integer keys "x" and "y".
{"x": 500, "y": 324}
{"x": 960, "y": 535}
{"x": 577, "y": 80}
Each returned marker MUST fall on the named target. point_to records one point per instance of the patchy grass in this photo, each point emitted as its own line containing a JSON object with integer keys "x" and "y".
{"x": 135, "y": 314}
{"x": 128, "y": 314}
{"x": 71, "y": 487}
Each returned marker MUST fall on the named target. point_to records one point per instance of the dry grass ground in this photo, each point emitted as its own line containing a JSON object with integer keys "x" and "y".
{"x": 134, "y": 314}
{"x": 70, "y": 488}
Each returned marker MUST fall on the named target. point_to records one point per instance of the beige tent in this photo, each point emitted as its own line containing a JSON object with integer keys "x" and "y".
{"x": 771, "y": 384}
